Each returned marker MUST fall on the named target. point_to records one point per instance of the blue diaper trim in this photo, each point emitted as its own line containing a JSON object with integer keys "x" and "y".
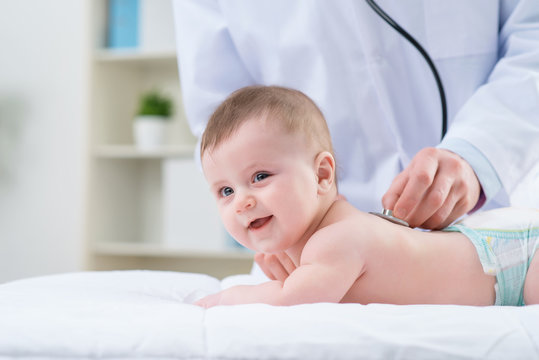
{"x": 507, "y": 254}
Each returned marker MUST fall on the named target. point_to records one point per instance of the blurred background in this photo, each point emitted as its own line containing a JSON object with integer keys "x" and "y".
{"x": 78, "y": 190}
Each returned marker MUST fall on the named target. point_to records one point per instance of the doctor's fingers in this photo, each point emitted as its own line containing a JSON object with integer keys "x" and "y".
{"x": 395, "y": 190}
{"x": 454, "y": 192}
{"x": 438, "y": 206}
{"x": 462, "y": 198}
{"x": 413, "y": 183}
{"x": 446, "y": 214}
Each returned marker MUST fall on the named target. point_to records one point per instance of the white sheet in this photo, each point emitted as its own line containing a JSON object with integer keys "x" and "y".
{"x": 142, "y": 314}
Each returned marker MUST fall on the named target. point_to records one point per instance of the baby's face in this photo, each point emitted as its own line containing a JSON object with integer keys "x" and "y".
{"x": 265, "y": 184}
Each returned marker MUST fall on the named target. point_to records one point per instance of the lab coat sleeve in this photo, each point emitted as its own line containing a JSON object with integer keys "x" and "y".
{"x": 210, "y": 68}
{"x": 501, "y": 119}
{"x": 487, "y": 176}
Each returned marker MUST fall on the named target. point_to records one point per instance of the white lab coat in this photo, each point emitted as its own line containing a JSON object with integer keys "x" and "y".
{"x": 375, "y": 90}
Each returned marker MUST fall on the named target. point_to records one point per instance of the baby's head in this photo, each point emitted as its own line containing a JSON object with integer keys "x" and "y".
{"x": 267, "y": 156}
{"x": 290, "y": 109}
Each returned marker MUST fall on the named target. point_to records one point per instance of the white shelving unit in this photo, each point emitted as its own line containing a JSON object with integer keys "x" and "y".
{"x": 131, "y": 152}
{"x": 134, "y": 195}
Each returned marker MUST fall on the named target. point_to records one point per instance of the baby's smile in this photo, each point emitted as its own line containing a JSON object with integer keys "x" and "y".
{"x": 259, "y": 223}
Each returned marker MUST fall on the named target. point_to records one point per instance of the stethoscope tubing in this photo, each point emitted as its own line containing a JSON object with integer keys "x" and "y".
{"x": 386, "y": 213}
{"x": 425, "y": 55}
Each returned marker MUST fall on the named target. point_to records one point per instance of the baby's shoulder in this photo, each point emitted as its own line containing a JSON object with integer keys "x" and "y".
{"x": 340, "y": 241}
{"x": 343, "y": 226}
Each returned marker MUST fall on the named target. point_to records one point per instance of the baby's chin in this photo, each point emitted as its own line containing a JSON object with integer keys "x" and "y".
{"x": 270, "y": 250}
{"x": 265, "y": 248}
{"x": 270, "y": 245}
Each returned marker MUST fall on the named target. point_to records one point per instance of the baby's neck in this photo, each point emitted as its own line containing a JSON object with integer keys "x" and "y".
{"x": 318, "y": 222}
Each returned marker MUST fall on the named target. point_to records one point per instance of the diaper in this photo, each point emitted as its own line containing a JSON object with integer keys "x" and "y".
{"x": 506, "y": 241}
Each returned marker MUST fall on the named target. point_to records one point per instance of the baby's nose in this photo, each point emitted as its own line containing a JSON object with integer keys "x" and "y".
{"x": 245, "y": 202}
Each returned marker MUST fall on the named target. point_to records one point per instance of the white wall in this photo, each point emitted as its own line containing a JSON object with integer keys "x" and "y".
{"x": 43, "y": 102}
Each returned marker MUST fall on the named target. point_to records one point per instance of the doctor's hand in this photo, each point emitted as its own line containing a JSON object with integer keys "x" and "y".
{"x": 275, "y": 266}
{"x": 436, "y": 188}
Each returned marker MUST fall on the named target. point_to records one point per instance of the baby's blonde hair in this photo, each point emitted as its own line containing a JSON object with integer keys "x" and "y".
{"x": 295, "y": 112}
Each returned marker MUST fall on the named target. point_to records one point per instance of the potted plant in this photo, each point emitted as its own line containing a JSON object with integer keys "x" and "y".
{"x": 154, "y": 111}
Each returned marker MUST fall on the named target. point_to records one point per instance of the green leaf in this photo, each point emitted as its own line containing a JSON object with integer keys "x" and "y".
{"x": 155, "y": 103}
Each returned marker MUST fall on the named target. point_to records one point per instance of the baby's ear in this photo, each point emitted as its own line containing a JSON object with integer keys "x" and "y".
{"x": 325, "y": 171}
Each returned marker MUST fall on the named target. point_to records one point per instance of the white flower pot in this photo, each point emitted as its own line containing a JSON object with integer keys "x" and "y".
{"x": 149, "y": 131}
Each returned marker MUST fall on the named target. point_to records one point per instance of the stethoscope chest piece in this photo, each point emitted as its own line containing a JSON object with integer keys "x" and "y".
{"x": 388, "y": 215}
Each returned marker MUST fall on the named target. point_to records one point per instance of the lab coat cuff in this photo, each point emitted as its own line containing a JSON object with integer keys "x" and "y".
{"x": 487, "y": 176}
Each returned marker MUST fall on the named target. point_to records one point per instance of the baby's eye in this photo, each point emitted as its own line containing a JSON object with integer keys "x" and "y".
{"x": 260, "y": 176}
{"x": 226, "y": 191}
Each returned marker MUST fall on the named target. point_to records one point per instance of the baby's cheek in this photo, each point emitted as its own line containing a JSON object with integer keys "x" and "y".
{"x": 297, "y": 222}
{"x": 238, "y": 234}
{"x": 231, "y": 225}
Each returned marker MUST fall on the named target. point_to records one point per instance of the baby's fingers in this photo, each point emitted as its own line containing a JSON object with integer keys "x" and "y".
{"x": 209, "y": 301}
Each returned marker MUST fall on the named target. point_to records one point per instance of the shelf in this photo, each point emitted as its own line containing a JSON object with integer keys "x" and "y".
{"x": 161, "y": 250}
{"x": 131, "y": 152}
{"x": 136, "y": 196}
{"x": 133, "y": 56}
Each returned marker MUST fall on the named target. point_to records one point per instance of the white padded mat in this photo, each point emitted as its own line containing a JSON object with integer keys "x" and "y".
{"x": 142, "y": 315}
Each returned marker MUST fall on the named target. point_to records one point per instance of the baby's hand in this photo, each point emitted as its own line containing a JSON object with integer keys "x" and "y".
{"x": 209, "y": 301}
{"x": 276, "y": 266}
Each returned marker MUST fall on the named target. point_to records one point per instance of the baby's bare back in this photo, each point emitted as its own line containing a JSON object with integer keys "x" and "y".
{"x": 405, "y": 266}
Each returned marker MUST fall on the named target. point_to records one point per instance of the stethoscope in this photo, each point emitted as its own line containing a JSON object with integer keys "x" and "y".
{"x": 386, "y": 213}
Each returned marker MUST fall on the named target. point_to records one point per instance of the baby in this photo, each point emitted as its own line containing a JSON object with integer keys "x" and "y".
{"x": 267, "y": 156}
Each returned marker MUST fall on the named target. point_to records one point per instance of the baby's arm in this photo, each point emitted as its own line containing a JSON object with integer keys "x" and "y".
{"x": 243, "y": 294}
{"x": 328, "y": 269}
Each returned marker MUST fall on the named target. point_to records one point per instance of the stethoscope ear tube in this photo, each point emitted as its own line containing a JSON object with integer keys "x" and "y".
{"x": 423, "y": 52}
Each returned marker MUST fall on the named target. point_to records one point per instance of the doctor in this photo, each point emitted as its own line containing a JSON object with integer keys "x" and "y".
{"x": 378, "y": 94}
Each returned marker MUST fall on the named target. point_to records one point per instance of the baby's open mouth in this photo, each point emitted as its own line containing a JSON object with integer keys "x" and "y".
{"x": 258, "y": 223}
